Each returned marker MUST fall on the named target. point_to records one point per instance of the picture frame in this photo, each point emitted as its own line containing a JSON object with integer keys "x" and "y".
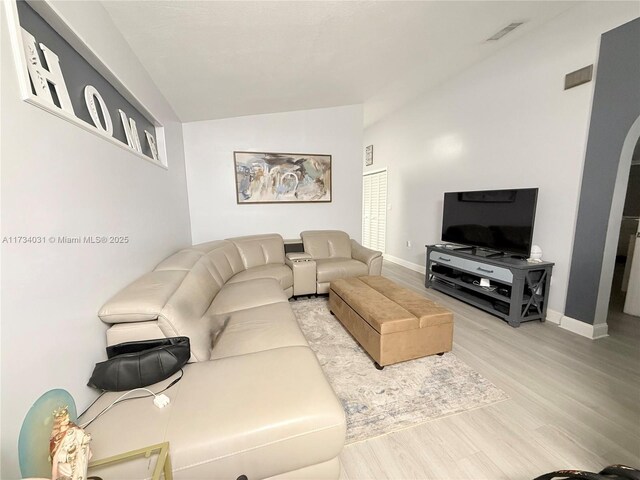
{"x": 368, "y": 158}
{"x": 270, "y": 177}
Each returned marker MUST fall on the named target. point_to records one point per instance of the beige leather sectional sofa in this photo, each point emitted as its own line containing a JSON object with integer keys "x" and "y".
{"x": 254, "y": 400}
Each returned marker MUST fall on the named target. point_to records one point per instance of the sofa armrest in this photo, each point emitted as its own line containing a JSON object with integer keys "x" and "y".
{"x": 372, "y": 258}
{"x": 363, "y": 254}
{"x": 294, "y": 257}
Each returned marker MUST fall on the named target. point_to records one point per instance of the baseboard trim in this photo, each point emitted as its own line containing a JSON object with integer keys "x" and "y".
{"x": 410, "y": 265}
{"x": 584, "y": 329}
{"x": 600, "y": 331}
{"x": 553, "y": 316}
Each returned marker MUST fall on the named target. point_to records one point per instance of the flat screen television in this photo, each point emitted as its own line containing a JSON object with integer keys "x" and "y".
{"x": 500, "y": 220}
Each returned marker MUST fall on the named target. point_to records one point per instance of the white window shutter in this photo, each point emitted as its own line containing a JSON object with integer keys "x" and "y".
{"x": 374, "y": 210}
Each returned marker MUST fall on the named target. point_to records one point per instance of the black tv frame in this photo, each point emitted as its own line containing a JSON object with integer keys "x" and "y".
{"x": 488, "y": 250}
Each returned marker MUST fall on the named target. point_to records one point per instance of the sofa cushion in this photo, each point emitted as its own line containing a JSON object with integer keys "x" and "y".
{"x": 326, "y": 243}
{"x": 329, "y": 269}
{"x": 250, "y": 294}
{"x": 229, "y": 418}
{"x": 257, "y": 250}
{"x": 257, "y": 329}
{"x": 281, "y": 273}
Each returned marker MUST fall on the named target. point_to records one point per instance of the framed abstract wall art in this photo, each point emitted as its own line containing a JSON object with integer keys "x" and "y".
{"x": 265, "y": 177}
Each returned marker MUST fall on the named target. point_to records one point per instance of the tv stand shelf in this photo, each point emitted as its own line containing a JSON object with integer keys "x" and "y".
{"x": 518, "y": 291}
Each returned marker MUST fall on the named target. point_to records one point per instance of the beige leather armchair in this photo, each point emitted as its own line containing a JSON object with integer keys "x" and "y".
{"x": 338, "y": 256}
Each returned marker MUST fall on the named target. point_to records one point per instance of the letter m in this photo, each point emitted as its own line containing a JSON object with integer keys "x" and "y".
{"x": 130, "y": 131}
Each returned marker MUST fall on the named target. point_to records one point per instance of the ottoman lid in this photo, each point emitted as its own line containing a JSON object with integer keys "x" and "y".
{"x": 382, "y": 313}
{"x": 429, "y": 313}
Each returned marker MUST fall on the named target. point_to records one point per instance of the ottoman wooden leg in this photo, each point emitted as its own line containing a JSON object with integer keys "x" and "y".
{"x": 378, "y": 366}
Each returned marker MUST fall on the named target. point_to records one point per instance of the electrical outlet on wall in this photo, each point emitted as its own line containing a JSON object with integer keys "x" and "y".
{"x": 409, "y": 243}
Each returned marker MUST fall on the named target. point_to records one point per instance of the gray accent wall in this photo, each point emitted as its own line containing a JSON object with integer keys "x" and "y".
{"x": 616, "y": 105}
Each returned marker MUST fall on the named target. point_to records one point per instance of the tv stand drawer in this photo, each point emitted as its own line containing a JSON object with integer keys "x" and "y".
{"x": 477, "y": 268}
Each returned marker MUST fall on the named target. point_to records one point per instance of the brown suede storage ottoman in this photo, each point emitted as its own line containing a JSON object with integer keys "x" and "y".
{"x": 391, "y": 323}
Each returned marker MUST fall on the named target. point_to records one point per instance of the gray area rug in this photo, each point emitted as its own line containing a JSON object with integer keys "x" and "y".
{"x": 402, "y": 395}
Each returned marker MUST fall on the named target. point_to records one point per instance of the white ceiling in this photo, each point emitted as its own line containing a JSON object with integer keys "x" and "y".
{"x": 219, "y": 59}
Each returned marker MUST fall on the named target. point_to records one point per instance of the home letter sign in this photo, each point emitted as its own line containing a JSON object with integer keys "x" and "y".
{"x": 88, "y": 82}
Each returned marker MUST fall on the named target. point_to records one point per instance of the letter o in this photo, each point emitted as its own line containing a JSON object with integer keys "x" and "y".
{"x": 90, "y": 95}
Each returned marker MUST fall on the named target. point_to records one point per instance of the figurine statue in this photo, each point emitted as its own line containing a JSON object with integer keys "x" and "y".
{"x": 536, "y": 254}
{"x": 68, "y": 448}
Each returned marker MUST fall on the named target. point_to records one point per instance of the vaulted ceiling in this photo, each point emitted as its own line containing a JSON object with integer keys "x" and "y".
{"x": 218, "y": 59}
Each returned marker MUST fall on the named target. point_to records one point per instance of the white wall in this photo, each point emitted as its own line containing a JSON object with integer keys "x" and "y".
{"x": 504, "y": 123}
{"x": 209, "y": 147}
{"x": 58, "y": 179}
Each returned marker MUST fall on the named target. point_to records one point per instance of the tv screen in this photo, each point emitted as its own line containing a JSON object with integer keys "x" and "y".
{"x": 500, "y": 220}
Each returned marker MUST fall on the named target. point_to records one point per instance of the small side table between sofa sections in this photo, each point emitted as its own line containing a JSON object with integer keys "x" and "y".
{"x": 303, "y": 267}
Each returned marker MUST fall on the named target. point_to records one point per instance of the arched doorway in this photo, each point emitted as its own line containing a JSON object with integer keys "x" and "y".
{"x": 614, "y": 129}
{"x": 612, "y": 294}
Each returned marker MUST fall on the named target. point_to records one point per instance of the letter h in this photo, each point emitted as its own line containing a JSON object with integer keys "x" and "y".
{"x": 42, "y": 77}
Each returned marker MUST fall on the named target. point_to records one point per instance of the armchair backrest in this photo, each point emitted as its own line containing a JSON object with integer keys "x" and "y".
{"x": 326, "y": 244}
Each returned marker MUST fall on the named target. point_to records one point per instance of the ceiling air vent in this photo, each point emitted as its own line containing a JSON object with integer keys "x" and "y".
{"x": 504, "y": 31}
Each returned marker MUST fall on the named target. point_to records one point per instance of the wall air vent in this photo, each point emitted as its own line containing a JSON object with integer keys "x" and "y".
{"x": 504, "y": 31}
{"x": 578, "y": 77}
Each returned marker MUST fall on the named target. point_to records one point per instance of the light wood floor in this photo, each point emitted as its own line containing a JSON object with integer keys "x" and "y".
{"x": 575, "y": 403}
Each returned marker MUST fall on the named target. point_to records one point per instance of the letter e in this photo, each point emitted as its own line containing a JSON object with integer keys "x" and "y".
{"x": 152, "y": 146}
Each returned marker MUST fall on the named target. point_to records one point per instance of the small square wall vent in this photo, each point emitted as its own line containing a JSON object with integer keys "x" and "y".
{"x": 509, "y": 28}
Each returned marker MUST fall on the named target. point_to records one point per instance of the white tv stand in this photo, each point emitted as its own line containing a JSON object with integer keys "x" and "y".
{"x": 518, "y": 291}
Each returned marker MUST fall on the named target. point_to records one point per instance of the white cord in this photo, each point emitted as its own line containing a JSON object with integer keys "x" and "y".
{"x": 114, "y": 402}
